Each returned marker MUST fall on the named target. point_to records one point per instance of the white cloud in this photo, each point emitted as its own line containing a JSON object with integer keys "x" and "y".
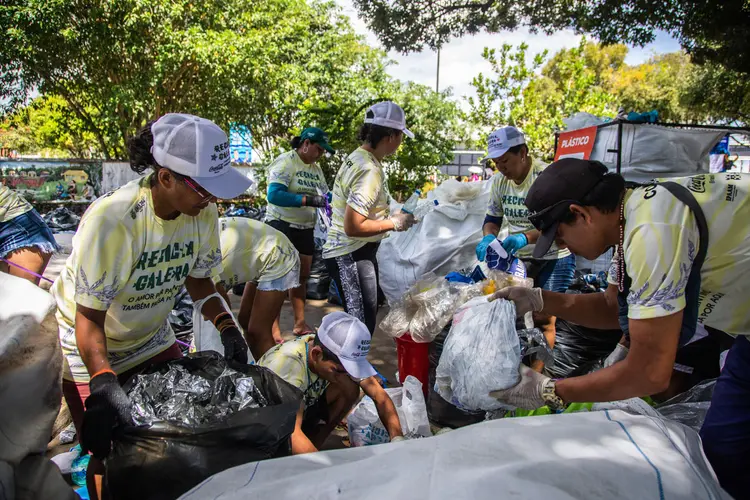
{"x": 461, "y": 59}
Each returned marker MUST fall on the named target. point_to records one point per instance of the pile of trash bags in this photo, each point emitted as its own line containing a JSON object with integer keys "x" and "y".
{"x": 61, "y": 219}
{"x": 174, "y": 452}
{"x": 429, "y": 304}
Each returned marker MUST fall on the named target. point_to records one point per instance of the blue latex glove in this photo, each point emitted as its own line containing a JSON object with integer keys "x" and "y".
{"x": 515, "y": 242}
{"x": 482, "y": 246}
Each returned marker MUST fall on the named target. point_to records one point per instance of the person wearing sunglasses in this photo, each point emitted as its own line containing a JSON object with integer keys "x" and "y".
{"x": 683, "y": 250}
{"x": 329, "y": 368}
{"x": 296, "y": 189}
{"x": 555, "y": 269}
{"x": 135, "y": 248}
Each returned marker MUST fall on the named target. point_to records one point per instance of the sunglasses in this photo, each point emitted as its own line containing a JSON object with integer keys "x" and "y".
{"x": 553, "y": 213}
{"x": 205, "y": 195}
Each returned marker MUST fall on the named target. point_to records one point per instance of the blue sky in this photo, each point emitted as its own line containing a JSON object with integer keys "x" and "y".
{"x": 461, "y": 59}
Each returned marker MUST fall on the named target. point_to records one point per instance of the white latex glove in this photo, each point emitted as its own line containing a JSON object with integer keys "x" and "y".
{"x": 397, "y": 439}
{"x": 402, "y": 221}
{"x": 527, "y": 393}
{"x": 617, "y": 355}
{"x": 525, "y": 299}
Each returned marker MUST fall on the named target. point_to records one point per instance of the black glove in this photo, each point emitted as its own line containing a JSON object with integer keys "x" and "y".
{"x": 106, "y": 407}
{"x": 235, "y": 347}
{"x": 314, "y": 200}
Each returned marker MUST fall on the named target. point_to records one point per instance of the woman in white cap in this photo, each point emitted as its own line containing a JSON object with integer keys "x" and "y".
{"x": 330, "y": 368}
{"x": 134, "y": 250}
{"x": 296, "y": 189}
{"x": 555, "y": 269}
{"x": 265, "y": 260}
{"x": 361, "y": 212}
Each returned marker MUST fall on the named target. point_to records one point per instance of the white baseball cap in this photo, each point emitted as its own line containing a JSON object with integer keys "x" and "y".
{"x": 501, "y": 140}
{"x": 349, "y": 339}
{"x": 388, "y": 114}
{"x": 199, "y": 149}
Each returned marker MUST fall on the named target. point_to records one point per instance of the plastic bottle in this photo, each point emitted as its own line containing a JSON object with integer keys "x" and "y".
{"x": 424, "y": 209}
{"x": 411, "y": 203}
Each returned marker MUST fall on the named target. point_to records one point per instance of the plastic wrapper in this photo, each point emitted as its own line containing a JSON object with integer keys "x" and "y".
{"x": 503, "y": 279}
{"x": 365, "y": 427}
{"x": 690, "y": 407}
{"x": 396, "y": 322}
{"x": 481, "y": 354}
{"x": 579, "y": 349}
{"x": 182, "y": 398}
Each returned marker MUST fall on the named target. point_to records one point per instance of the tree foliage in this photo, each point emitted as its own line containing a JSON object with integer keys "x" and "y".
{"x": 594, "y": 78}
{"x": 707, "y": 29}
{"x": 273, "y": 66}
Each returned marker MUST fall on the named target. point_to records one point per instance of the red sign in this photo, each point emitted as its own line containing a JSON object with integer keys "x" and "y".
{"x": 576, "y": 144}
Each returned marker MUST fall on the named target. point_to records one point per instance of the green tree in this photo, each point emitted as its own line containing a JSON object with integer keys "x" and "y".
{"x": 707, "y": 29}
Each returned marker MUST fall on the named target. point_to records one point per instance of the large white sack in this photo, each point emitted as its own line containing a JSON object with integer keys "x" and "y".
{"x": 444, "y": 241}
{"x": 652, "y": 151}
{"x": 593, "y": 455}
{"x": 205, "y": 335}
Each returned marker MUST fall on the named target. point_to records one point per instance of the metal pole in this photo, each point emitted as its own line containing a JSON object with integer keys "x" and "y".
{"x": 619, "y": 148}
{"x": 437, "y": 76}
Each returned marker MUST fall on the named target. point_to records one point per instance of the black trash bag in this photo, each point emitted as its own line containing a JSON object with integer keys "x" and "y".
{"x": 578, "y": 349}
{"x": 181, "y": 319}
{"x": 319, "y": 280}
{"x": 61, "y": 219}
{"x": 440, "y": 411}
{"x": 333, "y": 294}
{"x": 164, "y": 460}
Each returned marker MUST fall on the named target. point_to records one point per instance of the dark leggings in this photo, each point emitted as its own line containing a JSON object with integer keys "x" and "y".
{"x": 356, "y": 277}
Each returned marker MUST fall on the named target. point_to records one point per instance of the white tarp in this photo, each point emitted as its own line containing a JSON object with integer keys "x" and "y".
{"x": 605, "y": 454}
{"x": 444, "y": 241}
{"x": 651, "y": 151}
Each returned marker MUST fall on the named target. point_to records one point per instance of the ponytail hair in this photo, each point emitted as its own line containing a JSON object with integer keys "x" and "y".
{"x": 296, "y": 142}
{"x": 139, "y": 150}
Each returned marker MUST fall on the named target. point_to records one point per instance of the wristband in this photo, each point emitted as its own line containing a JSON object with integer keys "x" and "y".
{"x": 223, "y": 321}
{"x": 103, "y": 370}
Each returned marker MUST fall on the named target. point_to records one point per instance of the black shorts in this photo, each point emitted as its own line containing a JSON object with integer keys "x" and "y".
{"x": 302, "y": 239}
{"x": 700, "y": 359}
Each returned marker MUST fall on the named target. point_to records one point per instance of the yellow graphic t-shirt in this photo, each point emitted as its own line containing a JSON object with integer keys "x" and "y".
{"x": 299, "y": 178}
{"x": 130, "y": 263}
{"x": 12, "y": 204}
{"x": 289, "y": 361}
{"x": 360, "y": 184}
{"x": 252, "y": 251}
{"x": 507, "y": 201}
{"x": 661, "y": 242}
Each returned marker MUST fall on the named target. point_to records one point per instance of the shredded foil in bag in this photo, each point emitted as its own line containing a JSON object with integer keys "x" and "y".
{"x": 180, "y": 397}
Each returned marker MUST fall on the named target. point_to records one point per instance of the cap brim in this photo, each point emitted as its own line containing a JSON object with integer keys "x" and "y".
{"x": 358, "y": 369}
{"x": 226, "y": 186}
{"x": 491, "y": 155}
{"x": 327, "y": 147}
{"x": 408, "y": 133}
{"x": 545, "y": 241}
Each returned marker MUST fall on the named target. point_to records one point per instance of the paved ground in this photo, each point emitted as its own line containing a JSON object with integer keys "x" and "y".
{"x": 382, "y": 351}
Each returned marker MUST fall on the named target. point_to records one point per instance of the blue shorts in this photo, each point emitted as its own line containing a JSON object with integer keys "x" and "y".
{"x": 26, "y": 231}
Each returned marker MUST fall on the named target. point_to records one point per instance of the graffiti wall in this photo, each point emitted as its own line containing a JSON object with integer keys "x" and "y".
{"x": 49, "y": 180}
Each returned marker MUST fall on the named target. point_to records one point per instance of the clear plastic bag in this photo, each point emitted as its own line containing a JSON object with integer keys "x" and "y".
{"x": 481, "y": 354}
{"x": 364, "y": 424}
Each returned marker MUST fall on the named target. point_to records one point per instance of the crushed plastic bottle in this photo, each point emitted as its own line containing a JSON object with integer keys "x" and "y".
{"x": 411, "y": 203}
{"x": 424, "y": 209}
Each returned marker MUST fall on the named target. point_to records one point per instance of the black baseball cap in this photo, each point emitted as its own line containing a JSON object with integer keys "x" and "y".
{"x": 560, "y": 185}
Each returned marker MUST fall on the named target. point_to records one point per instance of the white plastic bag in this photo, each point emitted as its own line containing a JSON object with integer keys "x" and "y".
{"x": 481, "y": 354}
{"x": 364, "y": 423}
{"x": 205, "y": 335}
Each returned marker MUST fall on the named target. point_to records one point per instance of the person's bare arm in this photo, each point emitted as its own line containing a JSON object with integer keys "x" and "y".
{"x": 490, "y": 228}
{"x": 532, "y": 236}
{"x": 384, "y": 405}
{"x": 592, "y": 310}
{"x": 300, "y": 442}
{"x": 359, "y": 226}
{"x": 223, "y": 292}
{"x": 91, "y": 340}
{"x": 645, "y": 370}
